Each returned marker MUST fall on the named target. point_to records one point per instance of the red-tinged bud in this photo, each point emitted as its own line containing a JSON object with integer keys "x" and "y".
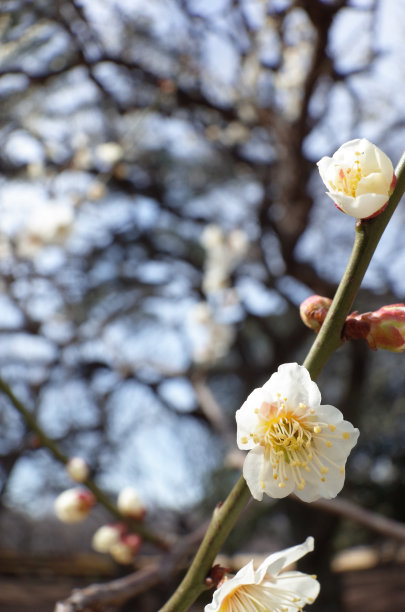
{"x": 313, "y": 311}
{"x": 216, "y": 576}
{"x": 355, "y": 328}
{"x": 386, "y": 328}
{"x": 73, "y": 505}
{"x": 126, "y": 549}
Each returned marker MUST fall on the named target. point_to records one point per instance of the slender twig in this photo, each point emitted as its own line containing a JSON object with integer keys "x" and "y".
{"x": 101, "y": 497}
{"x": 118, "y": 591}
{"x": 373, "y": 521}
{"x": 224, "y": 517}
{"x": 368, "y": 234}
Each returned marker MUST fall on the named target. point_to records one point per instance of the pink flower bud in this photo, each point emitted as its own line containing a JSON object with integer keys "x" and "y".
{"x": 73, "y": 505}
{"x": 386, "y": 328}
{"x": 129, "y": 504}
{"x": 313, "y": 311}
{"x": 77, "y": 469}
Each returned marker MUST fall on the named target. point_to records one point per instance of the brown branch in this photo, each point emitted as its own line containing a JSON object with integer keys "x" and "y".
{"x": 373, "y": 521}
{"x": 115, "y": 592}
{"x": 101, "y": 497}
{"x": 98, "y": 596}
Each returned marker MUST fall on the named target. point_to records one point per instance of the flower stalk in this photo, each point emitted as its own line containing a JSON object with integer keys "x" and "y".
{"x": 368, "y": 234}
{"x": 329, "y": 339}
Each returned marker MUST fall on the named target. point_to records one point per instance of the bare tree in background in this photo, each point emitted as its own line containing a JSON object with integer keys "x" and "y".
{"x": 161, "y": 221}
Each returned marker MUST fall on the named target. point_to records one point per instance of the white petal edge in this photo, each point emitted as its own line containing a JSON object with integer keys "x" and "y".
{"x": 277, "y": 561}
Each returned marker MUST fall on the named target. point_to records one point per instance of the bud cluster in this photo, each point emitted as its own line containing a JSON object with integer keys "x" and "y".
{"x": 74, "y": 505}
{"x": 381, "y": 329}
{"x": 116, "y": 540}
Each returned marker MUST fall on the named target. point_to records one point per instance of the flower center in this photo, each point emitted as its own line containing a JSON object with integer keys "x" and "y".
{"x": 347, "y": 179}
{"x": 280, "y": 429}
{"x": 289, "y": 437}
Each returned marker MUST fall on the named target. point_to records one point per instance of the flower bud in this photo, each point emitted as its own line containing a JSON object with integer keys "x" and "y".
{"x": 386, "y": 328}
{"x": 313, "y": 311}
{"x": 77, "y": 469}
{"x": 106, "y": 536}
{"x": 129, "y": 504}
{"x": 126, "y": 549}
{"x": 360, "y": 178}
{"x": 73, "y": 505}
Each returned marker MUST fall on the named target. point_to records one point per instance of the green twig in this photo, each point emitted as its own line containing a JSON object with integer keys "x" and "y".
{"x": 101, "y": 497}
{"x": 223, "y": 519}
{"x": 368, "y": 234}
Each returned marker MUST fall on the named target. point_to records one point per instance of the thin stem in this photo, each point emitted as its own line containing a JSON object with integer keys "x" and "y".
{"x": 223, "y": 519}
{"x": 101, "y": 497}
{"x": 368, "y": 234}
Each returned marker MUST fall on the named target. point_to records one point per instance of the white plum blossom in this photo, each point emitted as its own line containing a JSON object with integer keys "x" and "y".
{"x": 267, "y": 588}
{"x": 296, "y": 445}
{"x": 360, "y": 178}
{"x": 73, "y": 505}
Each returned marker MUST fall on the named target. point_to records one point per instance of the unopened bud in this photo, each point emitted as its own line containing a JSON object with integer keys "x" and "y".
{"x": 313, "y": 311}
{"x": 129, "y": 504}
{"x": 386, "y": 328}
{"x": 73, "y": 505}
{"x": 126, "y": 549}
{"x": 77, "y": 469}
{"x": 106, "y": 536}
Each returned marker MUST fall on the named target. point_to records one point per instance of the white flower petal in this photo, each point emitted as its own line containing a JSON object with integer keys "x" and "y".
{"x": 253, "y": 468}
{"x": 266, "y": 588}
{"x": 275, "y": 488}
{"x": 293, "y": 382}
{"x": 385, "y": 164}
{"x": 274, "y": 563}
{"x": 305, "y": 587}
{"x": 373, "y": 183}
{"x": 365, "y": 205}
{"x": 329, "y": 414}
{"x": 368, "y": 204}
{"x": 315, "y": 488}
{"x": 244, "y": 418}
{"x": 344, "y": 202}
{"x": 245, "y": 576}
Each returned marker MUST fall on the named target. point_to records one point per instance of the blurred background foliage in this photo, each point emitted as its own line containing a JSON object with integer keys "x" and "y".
{"x": 161, "y": 220}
